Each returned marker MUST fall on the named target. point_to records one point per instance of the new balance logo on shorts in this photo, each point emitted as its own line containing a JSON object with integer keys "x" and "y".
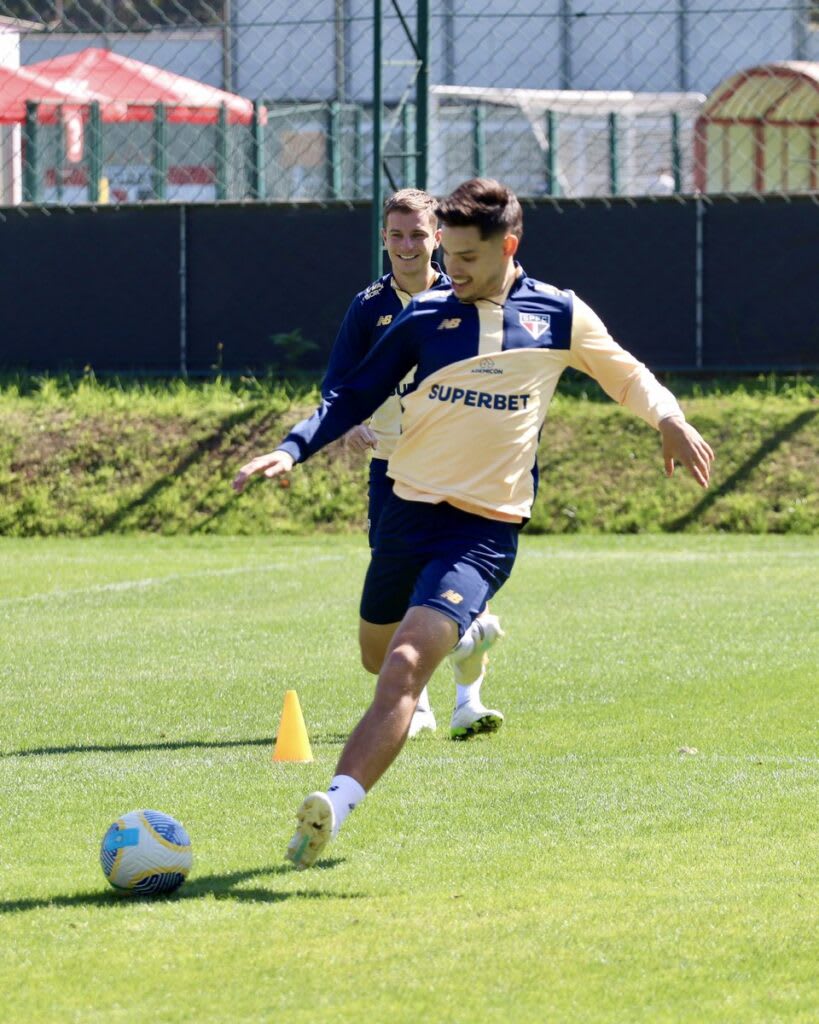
{"x": 452, "y": 596}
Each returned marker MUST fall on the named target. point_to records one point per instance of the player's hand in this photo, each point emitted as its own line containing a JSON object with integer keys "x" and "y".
{"x": 360, "y": 438}
{"x": 272, "y": 464}
{"x": 683, "y": 444}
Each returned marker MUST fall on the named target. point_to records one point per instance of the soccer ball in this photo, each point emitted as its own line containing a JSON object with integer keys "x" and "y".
{"x": 146, "y": 853}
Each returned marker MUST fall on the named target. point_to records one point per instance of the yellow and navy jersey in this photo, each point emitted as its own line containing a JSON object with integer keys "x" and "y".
{"x": 485, "y": 375}
{"x": 370, "y": 313}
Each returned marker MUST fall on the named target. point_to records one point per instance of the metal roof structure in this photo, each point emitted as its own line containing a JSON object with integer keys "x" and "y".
{"x": 759, "y": 130}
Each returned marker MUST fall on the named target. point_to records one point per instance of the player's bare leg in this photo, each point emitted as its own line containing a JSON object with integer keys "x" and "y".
{"x": 419, "y": 645}
{"x": 374, "y": 640}
{"x": 421, "y": 642}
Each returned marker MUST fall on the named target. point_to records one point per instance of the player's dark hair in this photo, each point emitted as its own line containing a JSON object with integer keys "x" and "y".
{"x": 485, "y": 204}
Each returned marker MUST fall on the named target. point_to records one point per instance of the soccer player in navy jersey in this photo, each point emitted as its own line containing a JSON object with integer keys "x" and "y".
{"x": 488, "y": 356}
{"x": 411, "y": 236}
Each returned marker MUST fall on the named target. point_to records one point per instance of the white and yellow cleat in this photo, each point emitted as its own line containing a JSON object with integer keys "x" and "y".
{"x": 316, "y": 820}
{"x": 467, "y": 667}
{"x": 470, "y": 720}
{"x": 422, "y": 719}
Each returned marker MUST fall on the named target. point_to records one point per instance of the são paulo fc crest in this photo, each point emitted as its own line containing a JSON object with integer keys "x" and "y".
{"x": 535, "y": 324}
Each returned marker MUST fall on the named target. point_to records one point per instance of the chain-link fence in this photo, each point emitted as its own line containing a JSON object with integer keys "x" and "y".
{"x": 135, "y": 100}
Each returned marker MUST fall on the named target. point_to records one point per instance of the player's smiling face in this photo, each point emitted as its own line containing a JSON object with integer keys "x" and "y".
{"x": 410, "y": 239}
{"x": 478, "y": 266}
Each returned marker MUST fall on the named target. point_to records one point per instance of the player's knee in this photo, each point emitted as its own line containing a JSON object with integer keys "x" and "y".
{"x": 403, "y": 662}
{"x": 373, "y": 642}
{"x": 372, "y": 660}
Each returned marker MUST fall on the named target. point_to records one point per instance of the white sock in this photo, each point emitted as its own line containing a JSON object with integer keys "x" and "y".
{"x": 466, "y": 645}
{"x": 423, "y": 701}
{"x": 469, "y": 694}
{"x": 345, "y": 795}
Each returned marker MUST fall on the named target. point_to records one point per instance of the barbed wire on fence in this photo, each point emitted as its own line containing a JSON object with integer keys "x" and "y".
{"x": 113, "y": 101}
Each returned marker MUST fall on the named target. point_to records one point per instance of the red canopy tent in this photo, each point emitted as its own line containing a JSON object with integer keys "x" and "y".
{"x": 128, "y": 89}
{"x": 94, "y": 83}
{"x": 17, "y": 85}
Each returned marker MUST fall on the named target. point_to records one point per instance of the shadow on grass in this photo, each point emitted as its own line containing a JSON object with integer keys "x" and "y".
{"x": 220, "y": 887}
{"x": 130, "y": 748}
{"x": 744, "y": 471}
{"x": 203, "y": 447}
{"x": 327, "y": 739}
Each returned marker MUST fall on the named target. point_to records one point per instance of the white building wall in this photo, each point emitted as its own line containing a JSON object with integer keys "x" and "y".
{"x": 11, "y": 189}
{"x": 286, "y": 50}
{"x": 721, "y": 44}
{"x": 195, "y": 54}
{"x": 627, "y": 46}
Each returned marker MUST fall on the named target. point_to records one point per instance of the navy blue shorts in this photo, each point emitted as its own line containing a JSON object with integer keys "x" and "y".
{"x": 436, "y": 556}
{"x": 380, "y": 488}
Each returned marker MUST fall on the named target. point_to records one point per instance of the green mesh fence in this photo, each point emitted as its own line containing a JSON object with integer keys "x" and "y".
{"x": 165, "y": 100}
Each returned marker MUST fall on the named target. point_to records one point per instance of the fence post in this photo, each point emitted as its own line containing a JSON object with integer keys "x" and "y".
{"x": 31, "y": 174}
{"x": 183, "y": 290}
{"x": 220, "y": 153}
{"x": 334, "y": 176}
{"x": 257, "y": 189}
{"x": 676, "y": 152}
{"x": 358, "y": 150}
{"x": 614, "y": 159}
{"x": 479, "y": 140}
{"x": 376, "y": 252}
{"x": 160, "y": 168}
{"x": 61, "y": 148}
{"x": 94, "y": 130}
{"x": 422, "y": 95}
{"x": 410, "y": 157}
{"x": 699, "y": 276}
{"x": 552, "y": 182}
{"x": 566, "y": 21}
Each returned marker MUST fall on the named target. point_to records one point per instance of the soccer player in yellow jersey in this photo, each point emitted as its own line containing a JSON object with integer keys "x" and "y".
{"x": 411, "y": 236}
{"x": 488, "y": 356}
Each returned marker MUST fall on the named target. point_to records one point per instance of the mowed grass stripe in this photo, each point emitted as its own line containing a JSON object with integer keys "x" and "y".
{"x": 585, "y": 864}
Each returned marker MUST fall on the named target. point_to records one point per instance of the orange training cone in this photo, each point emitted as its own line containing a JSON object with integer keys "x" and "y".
{"x": 292, "y": 743}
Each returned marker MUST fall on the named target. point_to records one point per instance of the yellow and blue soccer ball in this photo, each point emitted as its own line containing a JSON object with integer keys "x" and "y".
{"x": 146, "y": 853}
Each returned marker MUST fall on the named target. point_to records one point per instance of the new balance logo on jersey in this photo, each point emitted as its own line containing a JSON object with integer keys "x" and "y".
{"x": 449, "y": 324}
{"x": 452, "y": 596}
{"x": 384, "y": 321}
{"x": 535, "y": 324}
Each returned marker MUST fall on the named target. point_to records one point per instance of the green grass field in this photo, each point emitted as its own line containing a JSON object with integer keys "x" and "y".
{"x": 575, "y": 867}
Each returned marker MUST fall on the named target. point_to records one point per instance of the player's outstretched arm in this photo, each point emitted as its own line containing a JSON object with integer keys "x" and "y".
{"x": 683, "y": 444}
{"x": 272, "y": 464}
